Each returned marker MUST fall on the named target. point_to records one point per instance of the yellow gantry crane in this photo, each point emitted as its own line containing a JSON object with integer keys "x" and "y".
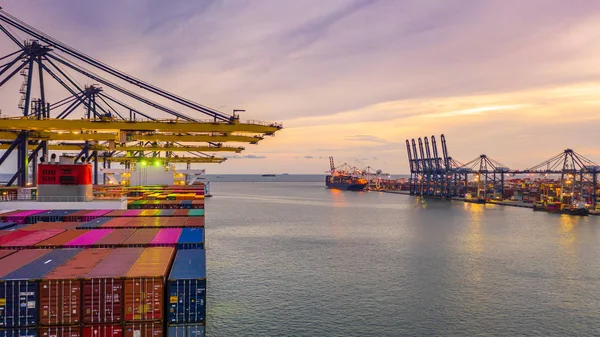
{"x": 105, "y": 120}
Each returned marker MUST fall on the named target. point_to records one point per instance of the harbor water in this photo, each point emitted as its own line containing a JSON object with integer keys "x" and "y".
{"x": 297, "y": 259}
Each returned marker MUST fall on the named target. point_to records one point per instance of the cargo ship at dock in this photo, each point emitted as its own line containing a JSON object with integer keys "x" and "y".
{"x": 345, "y": 182}
{"x": 558, "y": 207}
{"x": 345, "y": 177}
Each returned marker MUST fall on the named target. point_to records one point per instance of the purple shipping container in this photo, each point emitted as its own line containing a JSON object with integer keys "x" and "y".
{"x": 89, "y": 238}
{"x": 166, "y": 236}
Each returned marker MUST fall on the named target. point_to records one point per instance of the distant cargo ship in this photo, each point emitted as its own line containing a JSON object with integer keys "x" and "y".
{"x": 345, "y": 182}
{"x": 269, "y": 175}
{"x": 344, "y": 179}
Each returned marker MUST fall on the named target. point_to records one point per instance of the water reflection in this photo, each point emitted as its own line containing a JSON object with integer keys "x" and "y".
{"x": 566, "y": 236}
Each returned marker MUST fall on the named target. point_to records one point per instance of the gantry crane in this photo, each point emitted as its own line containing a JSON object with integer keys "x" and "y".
{"x": 115, "y": 123}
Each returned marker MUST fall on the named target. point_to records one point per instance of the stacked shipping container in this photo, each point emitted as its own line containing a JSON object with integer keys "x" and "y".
{"x": 104, "y": 273}
{"x": 187, "y": 293}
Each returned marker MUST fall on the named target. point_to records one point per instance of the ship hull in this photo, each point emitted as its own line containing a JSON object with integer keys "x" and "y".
{"x": 346, "y": 187}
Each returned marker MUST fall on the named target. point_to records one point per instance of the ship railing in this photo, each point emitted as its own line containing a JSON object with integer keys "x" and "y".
{"x": 46, "y": 198}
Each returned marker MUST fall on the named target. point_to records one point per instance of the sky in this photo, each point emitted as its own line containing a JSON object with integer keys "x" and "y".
{"x": 516, "y": 80}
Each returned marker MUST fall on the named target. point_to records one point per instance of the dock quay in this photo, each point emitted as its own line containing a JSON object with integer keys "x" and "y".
{"x": 568, "y": 179}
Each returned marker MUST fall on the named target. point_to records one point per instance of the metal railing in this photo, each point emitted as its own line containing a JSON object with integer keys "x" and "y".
{"x": 47, "y": 198}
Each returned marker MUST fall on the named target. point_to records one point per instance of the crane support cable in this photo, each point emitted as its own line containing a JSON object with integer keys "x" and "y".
{"x": 11, "y": 20}
{"x": 116, "y": 101}
{"x": 121, "y": 89}
{"x": 9, "y": 55}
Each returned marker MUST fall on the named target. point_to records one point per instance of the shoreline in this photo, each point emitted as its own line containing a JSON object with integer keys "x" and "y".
{"x": 492, "y": 202}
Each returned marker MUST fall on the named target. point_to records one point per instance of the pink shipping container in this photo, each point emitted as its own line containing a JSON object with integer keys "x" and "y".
{"x": 89, "y": 238}
{"x": 132, "y": 212}
{"x": 20, "y": 218}
{"x": 166, "y": 236}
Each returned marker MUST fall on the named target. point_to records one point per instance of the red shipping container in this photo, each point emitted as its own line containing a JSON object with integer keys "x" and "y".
{"x": 144, "y": 329}
{"x": 103, "y": 330}
{"x": 144, "y": 284}
{"x": 60, "y": 290}
{"x": 14, "y": 235}
{"x": 35, "y": 237}
{"x": 195, "y": 222}
{"x": 103, "y": 287}
{"x": 60, "y": 331}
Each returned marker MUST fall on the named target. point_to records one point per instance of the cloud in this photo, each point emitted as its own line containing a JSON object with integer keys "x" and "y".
{"x": 248, "y": 156}
{"x": 308, "y": 157}
{"x": 366, "y": 138}
{"x": 516, "y": 80}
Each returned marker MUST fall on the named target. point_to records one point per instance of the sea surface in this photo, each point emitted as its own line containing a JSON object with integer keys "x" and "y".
{"x": 297, "y": 259}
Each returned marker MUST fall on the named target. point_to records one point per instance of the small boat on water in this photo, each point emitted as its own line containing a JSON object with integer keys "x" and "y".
{"x": 269, "y": 175}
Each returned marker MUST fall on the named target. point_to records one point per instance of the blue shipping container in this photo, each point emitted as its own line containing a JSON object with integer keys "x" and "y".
{"x": 95, "y": 223}
{"x": 185, "y": 330}
{"x": 19, "y": 289}
{"x": 49, "y": 216}
{"x": 191, "y": 238}
{"x": 187, "y": 287}
{"x": 24, "y": 332}
{"x": 6, "y": 225}
{"x": 165, "y": 212}
{"x": 17, "y": 227}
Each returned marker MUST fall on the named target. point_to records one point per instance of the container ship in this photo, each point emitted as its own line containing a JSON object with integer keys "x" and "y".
{"x": 344, "y": 178}
{"x": 551, "y": 206}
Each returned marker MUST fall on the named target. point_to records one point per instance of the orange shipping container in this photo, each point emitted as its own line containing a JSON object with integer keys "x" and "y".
{"x": 61, "y": 239}
{"x": 60, "y": 290}
{"x": 144, "y": 284}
